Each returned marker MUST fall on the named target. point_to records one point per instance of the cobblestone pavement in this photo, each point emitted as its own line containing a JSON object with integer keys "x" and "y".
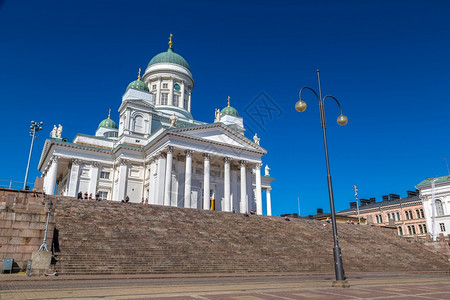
{"x": 226, "y": 286}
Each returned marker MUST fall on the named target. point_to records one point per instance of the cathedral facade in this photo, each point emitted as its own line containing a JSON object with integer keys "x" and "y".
{"x": 159, "y": 154}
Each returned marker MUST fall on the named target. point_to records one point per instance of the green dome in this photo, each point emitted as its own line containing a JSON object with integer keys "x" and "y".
{"x": 108, "y": 123}
{"x": 229, "y": 110}
{"x": 169, "y": 57}
{"x": 138, "y": 85}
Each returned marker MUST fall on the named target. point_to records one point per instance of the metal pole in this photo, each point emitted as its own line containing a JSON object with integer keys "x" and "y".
{"x": 44, "y": 243}
{"x": 339, "y": 269}
{"x": 433, "y": 210}
{"x": 29, "y": 158}
{"x": 355, "y": 188}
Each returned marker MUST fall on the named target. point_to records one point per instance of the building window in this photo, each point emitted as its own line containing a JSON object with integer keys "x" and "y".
{"x": 104, "y": 175}
{"x": 398, "y": 216}
{"x": 411, "y": 215}
{"x": 424, "y": 228}
{"x": 378, "y": 219}
{"x": 406, "y": 215}
{"x": 185, "y": 103}
{"x": 165, "y": 86}
{"x": 176, "y": 99}
{"x": 381, "y": 218}
{"x": 413, "y": 229}
{"x": 409, "y": 230}
{"x": 102, "y": 195}
{"x": 400, "y": 231}
{"x": 418, "y": 214}
{"x": 420, "y": 229}
{"x": 442, "y": 225}
{"x": 153, "y": 86}
{"x": 439, "y": 208}
{"x": 164, "y": 98}
{"x": 421, "y": 213}
{"x": 393, "y": 216}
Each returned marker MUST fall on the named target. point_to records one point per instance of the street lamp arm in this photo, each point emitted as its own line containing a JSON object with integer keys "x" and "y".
{"x": 308, "y": 88}
{"x": 329, "y": 96}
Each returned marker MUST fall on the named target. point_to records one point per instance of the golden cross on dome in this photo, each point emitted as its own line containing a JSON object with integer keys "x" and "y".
{"x": 139, "y": 74}
{"x": 170, "y": 41}
{"x": 228, "y": 101}
{"x": 109, "y": 114}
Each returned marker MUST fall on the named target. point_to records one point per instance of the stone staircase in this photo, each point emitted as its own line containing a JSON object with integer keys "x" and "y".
{"x": 124, "y": 238}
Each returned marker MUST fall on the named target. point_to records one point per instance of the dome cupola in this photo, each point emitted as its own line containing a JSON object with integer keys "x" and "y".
{"x": 138, "y": 84}
{"x": 229, "y": 110}
{"x": 108, "y": 123}
{"x": 169, "y": 57}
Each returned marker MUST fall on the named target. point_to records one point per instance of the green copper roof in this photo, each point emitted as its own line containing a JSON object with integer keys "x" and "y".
{"x": 108, "y": 123}
{"x": 169, "y": 57}
{"x": 138, "y": 85}
{"x": 229, "y": 111}
{"x": 438, "y": 179}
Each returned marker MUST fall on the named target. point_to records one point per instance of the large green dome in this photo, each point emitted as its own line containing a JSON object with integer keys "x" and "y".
{"x": 138, "y": 85}
{"x": 108, "y": 123}
{"x": 169, "y": 57}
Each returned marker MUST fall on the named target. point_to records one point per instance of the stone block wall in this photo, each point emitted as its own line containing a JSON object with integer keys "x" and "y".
{"x": 23, "y": 215}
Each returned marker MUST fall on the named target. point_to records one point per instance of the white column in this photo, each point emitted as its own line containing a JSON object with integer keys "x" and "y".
{"x": 123, "y": 175}
{"x": 180, "y": 103}
{"x": 206, "y": 180}
{"x": 170, "y": 100}
{"x": 244, "y": 202}
{"x": 187, "y": 179}
{"x": 50, "y": 190}
{"x": 259, "y": 210}
{"x": 158, "y": 92}
{"x": 234, "y": 190}
{"x": 74, "y": 176}
{"x": 152, "y": 193}
{"x": 161, "y": 171}
{"x": 180, "y": 179}
{"x": 94, "y": 178}
{"x": 226, "y": 185}
{"x": 189, "y": 102}
{"x": 269, "y": 202}
{"x": 168, "y": 182}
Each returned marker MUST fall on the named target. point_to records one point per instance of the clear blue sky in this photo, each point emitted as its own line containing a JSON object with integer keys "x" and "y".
{"x": 387, "y": 62}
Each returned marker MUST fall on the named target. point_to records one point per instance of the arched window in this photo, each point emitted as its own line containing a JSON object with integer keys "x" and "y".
{"x": 398, "y": 216}
{"x": 400, "y": 231}
{"x": 139, "y": 124}
{"x": 439, "y": 208}
{"x": 424, "y": 228}
{"x": 420, "y": 228}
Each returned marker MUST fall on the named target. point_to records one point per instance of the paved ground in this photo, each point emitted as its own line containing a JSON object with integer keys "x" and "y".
{"x": 226, "y": 286}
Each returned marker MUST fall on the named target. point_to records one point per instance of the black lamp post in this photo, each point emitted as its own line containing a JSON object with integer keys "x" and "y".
{"x": 34, "y": 127}
{"x": 341, "y": 120}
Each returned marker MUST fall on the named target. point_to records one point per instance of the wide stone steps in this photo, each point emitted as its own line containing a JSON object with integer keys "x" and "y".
{"x": 123, "y": 238}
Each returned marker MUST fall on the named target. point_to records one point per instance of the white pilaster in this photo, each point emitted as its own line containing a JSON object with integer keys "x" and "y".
{"x": 244, "y": 202}
{"x": 152, "y": 192}
{"x": 226, "y": 185}
{"x": 234, "y": 190}
{"x": 269, "y": 202}
{"x": 188, "y": 179}
{"x": 158, "y": 92}
{"x": 170, "y": 100}
{"x": 259, "y": 209}
{"x": 50, "y": 190}
{"x": 94, "y": 179}
{"x": 168, "y": 181}
{"x": 180, "y": 103}
{"x": 123, "y": 175}
{"x": 180, "y": 165}
{"x": 206, "y": 181}
{"x": 74, "y": 177}
{"x": 161, "y": 171}
{"x": 189, "y": 102}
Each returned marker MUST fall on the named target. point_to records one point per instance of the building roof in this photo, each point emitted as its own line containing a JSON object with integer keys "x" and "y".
{"x": 383, "y": 203}
{"x": 430, "y": 179}
{"x": 108, "y": 123}
{"x": 229, "y": 110}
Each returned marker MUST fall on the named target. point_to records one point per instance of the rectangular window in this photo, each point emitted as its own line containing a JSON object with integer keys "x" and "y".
{"x": 164, "y": 98}
{"x": 185, "y": 103}
{"x": 424, "y": 228}
{"x": 381, "y": 219}
{"x": 413, "y": 229}
{"x": 398, "y": 216}
{"x": 421, "y": 213}
{"x": 104, "y": 175}
{"x": 418, "y": 214}
{"x": 442, "y": 225}
{"x": 153, "y": 86}
{"x": 165, "y": 85}
{"x": 103, "y": 195}
{"x": 400, "y": 231}
{"x": 176, "y": 99}
{"x": 378, "y": 219}
{"x": 409, "y": 230}
{"x": 420, "y": 229}
{"x": 406, "y": 215}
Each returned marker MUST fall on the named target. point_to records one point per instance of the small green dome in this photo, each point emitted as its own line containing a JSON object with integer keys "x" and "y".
{"x": 169, "y": 57}
{"x": 229, "y": 110}
{"x": 108, "y": 123}
{"x": 138, "y": 85}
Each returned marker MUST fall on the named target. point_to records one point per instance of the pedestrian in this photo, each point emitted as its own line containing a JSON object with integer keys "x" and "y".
{"x": 90, "y": 196}
{"x": 97, "y": 196}
{"x": 85, "y": 196}
{"x": 80, "y": 195}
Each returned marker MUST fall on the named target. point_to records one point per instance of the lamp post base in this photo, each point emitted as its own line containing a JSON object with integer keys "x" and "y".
{"x": 340, "y": 284}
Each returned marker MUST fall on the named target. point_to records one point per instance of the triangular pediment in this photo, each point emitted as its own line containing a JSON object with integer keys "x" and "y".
{"x": 219, "y": 134}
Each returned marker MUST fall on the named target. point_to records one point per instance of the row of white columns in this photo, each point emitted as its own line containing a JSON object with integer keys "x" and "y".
{"x": 161, "y": 187}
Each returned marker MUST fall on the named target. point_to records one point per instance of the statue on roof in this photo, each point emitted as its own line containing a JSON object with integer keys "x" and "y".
{"x": 173, "y": 120}
{"x": 217, "y": 115}
{"x": 59, "y": 131}
{"x": 53, "y": 132}
{"x": 266, "y": 170}
{"x": 256, "y": 139}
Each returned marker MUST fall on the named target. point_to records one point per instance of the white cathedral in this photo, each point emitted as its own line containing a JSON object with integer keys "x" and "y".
{"x": 159, "y": 153}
